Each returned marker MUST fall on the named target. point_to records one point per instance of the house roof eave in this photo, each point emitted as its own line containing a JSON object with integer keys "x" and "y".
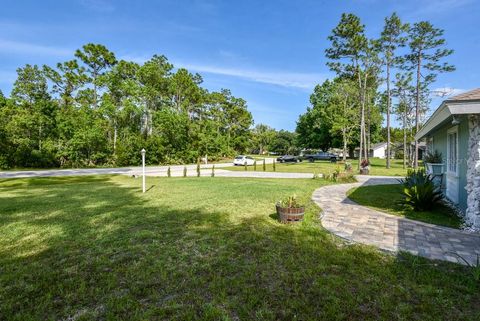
{"x": 438, "y": 117}
{"x": 447, "y": 109}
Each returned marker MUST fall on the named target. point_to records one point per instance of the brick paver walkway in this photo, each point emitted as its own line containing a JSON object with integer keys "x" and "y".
{"x": 353, "y": 222}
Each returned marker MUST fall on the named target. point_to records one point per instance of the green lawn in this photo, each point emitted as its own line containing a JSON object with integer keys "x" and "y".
{"x": 387, "y": 198}
{"x": 377, "y": 167}
{"x": 95, "y": 248}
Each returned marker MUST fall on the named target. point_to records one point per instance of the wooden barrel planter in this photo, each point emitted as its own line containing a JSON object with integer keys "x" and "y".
{"x": 290, "y": 214}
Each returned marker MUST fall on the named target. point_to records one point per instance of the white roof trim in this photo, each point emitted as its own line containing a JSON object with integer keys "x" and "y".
{"x": 463, "y": 108}
{"x": 379, "y": 146}
{"x": 443, "y": 112}
{"x": 438, "y": 117}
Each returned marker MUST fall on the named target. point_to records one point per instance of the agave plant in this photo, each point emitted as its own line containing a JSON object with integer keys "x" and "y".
{"x": 419, "y": 191}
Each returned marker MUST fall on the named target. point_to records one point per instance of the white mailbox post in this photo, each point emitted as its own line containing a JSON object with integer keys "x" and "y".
{"x": 143, "y": 169}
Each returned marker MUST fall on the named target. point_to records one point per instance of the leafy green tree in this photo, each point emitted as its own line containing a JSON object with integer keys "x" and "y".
{"x": 392, "y": 37}
{"x": 119, "y": 101}
{"x": 313, "y": 129}
{"x": 348, "y": 42}
{"x": 426, "y": 51}
{"x": 67, "y": 78}
{"x": 31, "y": 127}
{"x": 95, "y": 110}
{"x": 232, "y": 118}
{"x": 405, "y": 109}
{"x": 185, "y": 92}
{"x": 5, "y": 145}
{"x": 97, "y": 58}
{"x": 263, "y": 136}
{"x": 155, "y": 85}
{"x": 173, "y": 131}
{"x": 354, "y": 56}
{"x": 284, "y": 142}
{"x": 343, "y": 112}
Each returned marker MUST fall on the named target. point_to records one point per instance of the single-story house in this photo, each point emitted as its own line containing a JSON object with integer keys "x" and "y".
{"x": 377, "y": 150}
{"x": 422, "y": 148}
{"x": 454, "y": 130}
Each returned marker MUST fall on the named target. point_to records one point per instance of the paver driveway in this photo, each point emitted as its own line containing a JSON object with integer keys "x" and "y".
{"x": 353, "y": 222}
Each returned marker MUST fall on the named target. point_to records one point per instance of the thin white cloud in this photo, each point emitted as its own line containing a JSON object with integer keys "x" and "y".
{"x": 435, "y": 7}
{"x": 445, "y": 5}
{"x": 261, "y": 108}
{"x": 299, "y": 80}
{"x": 306, "y": 81}
{"x": 204, "y": 6}
{"x": 279, "y": 78}
{"x": 445, "y": 92}
{"x": 24, "y": 48}
{"x": 230, "y": 55}
{"x": 138, "y": 59}
{"x": 98, "y": 5}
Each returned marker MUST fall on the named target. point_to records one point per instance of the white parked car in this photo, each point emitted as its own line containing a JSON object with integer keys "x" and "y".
{"x": 243, "y": 160}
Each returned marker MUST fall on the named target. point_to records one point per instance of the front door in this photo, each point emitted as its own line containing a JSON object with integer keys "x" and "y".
{"x": 452, "y": 165}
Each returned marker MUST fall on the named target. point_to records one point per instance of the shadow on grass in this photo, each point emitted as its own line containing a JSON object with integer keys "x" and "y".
{"x": 39, "y": 181}
{"x": 104, "y": 251}
{"x": 274, "y": 216}
{"x": 150, "y": 188}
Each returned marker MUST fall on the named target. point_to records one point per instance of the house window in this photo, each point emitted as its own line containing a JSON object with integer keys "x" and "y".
{"x": 452, "y": 151}
{"x": 430, "y": 148}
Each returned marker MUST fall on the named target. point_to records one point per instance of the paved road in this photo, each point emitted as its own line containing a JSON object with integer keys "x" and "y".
{"x": 150, "y": 170}
{"x": 353, "y": 222}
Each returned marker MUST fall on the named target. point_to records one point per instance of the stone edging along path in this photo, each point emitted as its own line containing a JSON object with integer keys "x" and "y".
{"x": 360, "y": 224}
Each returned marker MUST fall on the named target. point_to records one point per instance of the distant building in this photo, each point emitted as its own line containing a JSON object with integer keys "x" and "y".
{"x": 378, "y": 150}
{"x": 422, "y": 148}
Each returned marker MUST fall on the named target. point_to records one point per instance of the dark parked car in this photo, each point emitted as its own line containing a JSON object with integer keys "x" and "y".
{"x": 321, "y": 156}
{"x": 289, "y": 159}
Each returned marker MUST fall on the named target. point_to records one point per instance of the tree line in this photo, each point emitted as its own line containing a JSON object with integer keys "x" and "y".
{"x": 96, "y": 110}
{"x": 348, "y": 111}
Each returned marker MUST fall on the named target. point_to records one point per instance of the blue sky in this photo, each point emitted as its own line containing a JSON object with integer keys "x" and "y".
{"x": 270, "y": 53}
